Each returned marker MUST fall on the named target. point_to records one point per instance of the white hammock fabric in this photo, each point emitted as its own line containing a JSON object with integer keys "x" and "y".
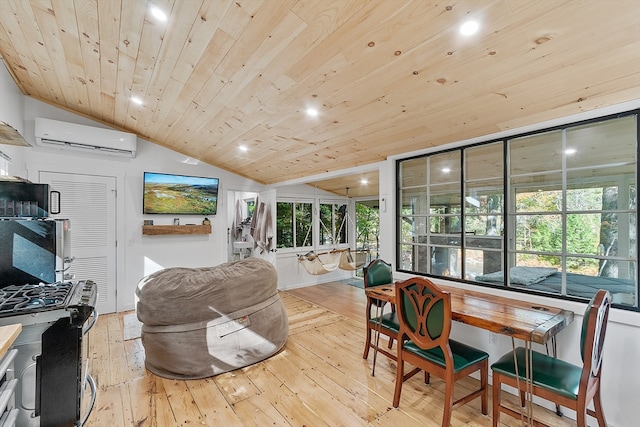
{"x": 353, "y": 260}
{"x": 326, "y": 262}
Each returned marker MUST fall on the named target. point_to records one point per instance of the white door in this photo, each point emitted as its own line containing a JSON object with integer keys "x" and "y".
{"x": 89, "y": 202}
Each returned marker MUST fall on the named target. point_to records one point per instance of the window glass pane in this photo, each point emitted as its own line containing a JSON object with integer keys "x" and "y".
{"x": 325, "y": 232}
{"x": 539, "y": 260}
{"x": 479, "y": 262}
{"x": 606, "y": 143}
{"x": 284, "y": 224}
{"x": 536, "y": 153}
{"x": 445, "y": 224}
{"x": 538, "y": 193}
{"x": 414, "y": 200}
{"x": 340, "y": 223}
{"x": 483, "y": 225}
{"x": 446, "y": 261}
{"x": 421, "y": 259}
{"x": 412, "y": 226}
{"x": 617, "y": 235}
{"x": 585, "y": 280}
{"x": 539, "y": 233}
{"x": 445, "y": 168}
{"x": 447, "y": 196}
{"x": 413, "y": 172}
{"x": 304, "y": 221}
{"x": 583, "y": 233}
{"x": 406, "y": 257}
{"x": 484, "y": 197}
{"x": 484, "y": 162}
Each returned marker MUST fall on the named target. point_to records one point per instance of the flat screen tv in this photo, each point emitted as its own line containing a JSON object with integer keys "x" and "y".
{"x": 179, "y": 194}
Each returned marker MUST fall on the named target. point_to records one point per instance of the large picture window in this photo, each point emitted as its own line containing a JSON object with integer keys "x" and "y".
{"x": 551, "y": 212}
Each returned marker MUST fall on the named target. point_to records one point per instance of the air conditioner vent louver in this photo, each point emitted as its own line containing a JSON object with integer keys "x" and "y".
{"x": 71, "y": 136}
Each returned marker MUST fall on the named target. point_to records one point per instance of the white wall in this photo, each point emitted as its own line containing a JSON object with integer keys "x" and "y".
{"x": 11, "y": 109}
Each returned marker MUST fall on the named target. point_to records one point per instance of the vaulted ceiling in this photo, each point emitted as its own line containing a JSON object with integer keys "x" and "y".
{"x": 386, "y": 77}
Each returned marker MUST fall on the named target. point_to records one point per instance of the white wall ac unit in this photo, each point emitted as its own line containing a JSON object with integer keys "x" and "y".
{"x": 71, "y": 136}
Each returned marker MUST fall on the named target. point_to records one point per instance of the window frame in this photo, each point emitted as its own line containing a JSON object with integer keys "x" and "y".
{"x": 509, "y": 212}
{"x": 314, "y": 238}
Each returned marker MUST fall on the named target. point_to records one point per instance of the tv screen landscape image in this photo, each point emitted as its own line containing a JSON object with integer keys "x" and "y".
{"x": 179, "y": 194}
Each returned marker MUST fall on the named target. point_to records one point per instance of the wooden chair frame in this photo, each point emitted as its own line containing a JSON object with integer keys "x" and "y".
{"x": 425, "y": 295}
{"x": 594, "y": 327}
{"x": 374, "y": 275}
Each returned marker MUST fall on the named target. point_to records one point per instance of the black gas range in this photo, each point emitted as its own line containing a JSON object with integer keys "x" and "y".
{"x": 52, "y": 362}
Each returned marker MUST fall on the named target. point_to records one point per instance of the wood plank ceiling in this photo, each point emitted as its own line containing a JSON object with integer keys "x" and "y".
{"x": 386, "y": 77}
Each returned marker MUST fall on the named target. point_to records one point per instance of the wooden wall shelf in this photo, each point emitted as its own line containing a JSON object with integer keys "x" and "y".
{"x": 155, "y": 230}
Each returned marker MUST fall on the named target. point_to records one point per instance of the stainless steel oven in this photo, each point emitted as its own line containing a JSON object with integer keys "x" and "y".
{"x": 52, "y": 366}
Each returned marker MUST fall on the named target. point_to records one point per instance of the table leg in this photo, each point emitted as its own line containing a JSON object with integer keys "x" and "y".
{"x": 379, "y": 307}
{"x": 528, "y": 393}
{"x": 554, "y": 351}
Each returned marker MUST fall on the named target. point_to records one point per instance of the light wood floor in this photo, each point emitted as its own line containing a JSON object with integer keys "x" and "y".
{"x": 318, "y": 379}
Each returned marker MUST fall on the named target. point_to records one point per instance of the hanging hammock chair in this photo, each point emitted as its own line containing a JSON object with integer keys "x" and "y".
{"x": 353, "y": 260}
{"x": 320, "y": 263}
{"x": 325, "y": 262}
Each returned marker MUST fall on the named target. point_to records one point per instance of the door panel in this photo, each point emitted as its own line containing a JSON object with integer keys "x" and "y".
{"x": 89, "y": 202}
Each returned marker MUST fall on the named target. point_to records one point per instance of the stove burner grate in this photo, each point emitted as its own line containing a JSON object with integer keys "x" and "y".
{"x": 19, "y": 299}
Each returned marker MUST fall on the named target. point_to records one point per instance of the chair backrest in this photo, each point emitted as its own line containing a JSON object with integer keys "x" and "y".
{"x": 594, "y": 327}
{"x": 377, "y": 273}
{"x": 424, "y": 313}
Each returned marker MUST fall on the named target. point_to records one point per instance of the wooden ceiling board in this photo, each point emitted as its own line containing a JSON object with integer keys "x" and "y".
{"x": 386, "y": 76}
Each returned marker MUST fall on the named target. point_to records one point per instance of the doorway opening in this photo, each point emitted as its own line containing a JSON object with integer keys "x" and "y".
{"x": 368, "y": 228}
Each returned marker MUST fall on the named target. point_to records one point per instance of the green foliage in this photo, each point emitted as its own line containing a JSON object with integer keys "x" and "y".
{"x": 367, "y": 227}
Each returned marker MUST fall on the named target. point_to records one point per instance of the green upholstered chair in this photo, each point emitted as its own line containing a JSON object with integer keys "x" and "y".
{"x": 379, "y": 273}
{"x": 424, "y": 311}
{"x": 558, "y": 381}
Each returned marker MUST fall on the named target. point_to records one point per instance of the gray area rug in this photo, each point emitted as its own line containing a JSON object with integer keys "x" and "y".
{"x": 355, "y": 281}
{"x": 132, "y": 327}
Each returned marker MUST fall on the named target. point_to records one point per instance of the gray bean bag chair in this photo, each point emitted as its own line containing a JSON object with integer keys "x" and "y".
{"x": 200, "y": 322}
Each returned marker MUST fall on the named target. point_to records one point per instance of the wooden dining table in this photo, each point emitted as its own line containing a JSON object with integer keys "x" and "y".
{"x": 515, "y": 318}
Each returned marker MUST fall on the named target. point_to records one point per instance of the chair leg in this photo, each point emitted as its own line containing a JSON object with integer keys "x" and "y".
{"x": 390, "y": 343}
{"x": 399, "y": 377}
{"x": 599, "y": 412}
{"x": 484, "y": 384}
{"x": 367, "y": 343}
{"x": 496, "y": 399}
{"x": 448, "y": 402}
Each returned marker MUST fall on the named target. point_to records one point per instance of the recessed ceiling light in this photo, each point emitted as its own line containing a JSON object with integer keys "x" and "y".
{"x": 469, "y": 28}
{"x": 364, "y": 181}
{"x": 312, "y": 112}
{"x": 136, "y": 100}
{"x": 570, "y": 151}
{"x": 446, "y": 170}
{"x": 243, "y": 148}
{"x": 158, "y": 14}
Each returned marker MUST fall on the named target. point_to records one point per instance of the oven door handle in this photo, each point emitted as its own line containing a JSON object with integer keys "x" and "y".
{"x": 92, "y": 385}
{"x": 94, "y": 319}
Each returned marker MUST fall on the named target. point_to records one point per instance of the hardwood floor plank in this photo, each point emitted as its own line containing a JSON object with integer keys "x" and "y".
{"x": 290, "y": 405}
{"x": 236, "y": 386}
{"x": 215, "y": 408}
